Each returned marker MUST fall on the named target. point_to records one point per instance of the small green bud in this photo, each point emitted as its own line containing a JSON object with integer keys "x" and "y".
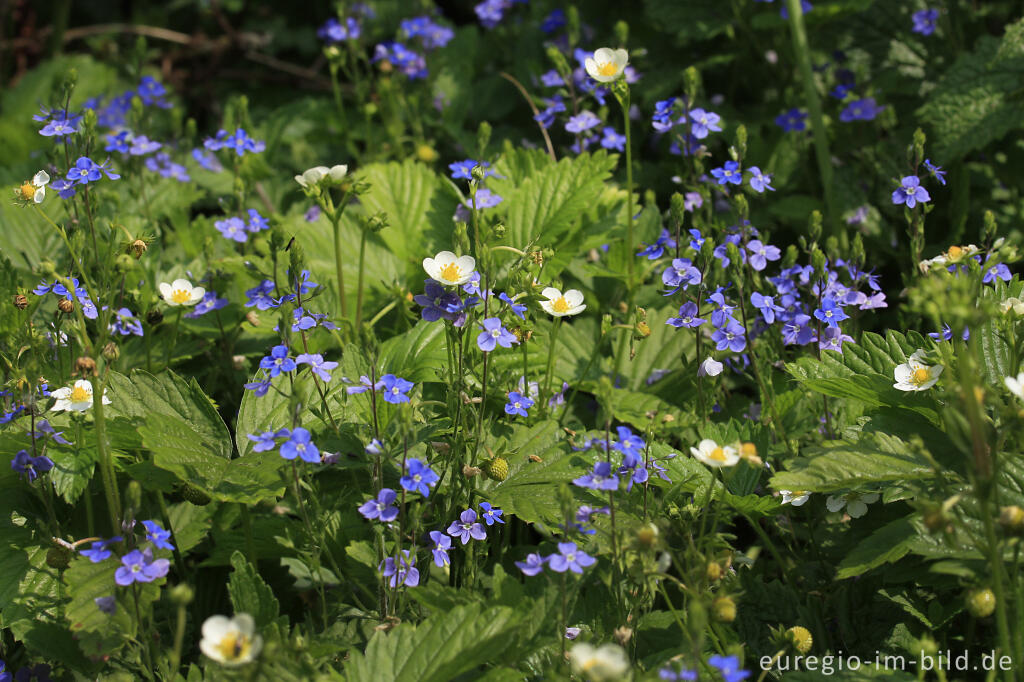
{"x": 724, "y": 609}
{"x": 733, "y": 252}
{"x": 572, "y": 20}
{"x": 918, "y": 147}
{"x": 818, "y": 261}
{"x": 377, "y": 222}
{"x": 857, "y": 250}
{"x": 606, "y": 324}
{"x": 182, "y": 595}
{"x": 194, "y": 495}
{"x": 790, "y": 257}
{"x": 832, "y": 246}
{"x": 988, "y": 231}
{"x": 691, "y": 82}
{"x": 462, "y": 237}
{"x": 483, "y": 138}
{"x": 677, "y": 208}
{"x": 498, "y": 231}
{"x": 621, "y": 31}
{"x": 134, "y": 495}
{"x": 741, "y": 139}
{"x": 981, "y": 602}
{"x": 71, "y": 79}
{"x": 742, "y": 206}
{"x": 111, "y": 351}
{"x": 124, "y": 263}
{"x": 814, "y": 226}
{"x": 58, "y": 557}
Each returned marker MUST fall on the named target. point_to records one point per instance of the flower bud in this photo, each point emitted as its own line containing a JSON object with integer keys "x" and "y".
{"x": 65, "y": 306}
{"x": 647, "y": 536}
{"x": 123, "y": 263}
{"x": 252, "y": 318}
{"x": 471, "y": 472}
{"x": 134, "y": 495}
{"x": 800, "y": 637}
{"x": 111, "y": 351}
{"x": 182, "y": 594}
{"x": 1012, "y": 519}
{"x": 154, "y": 317}
{"x": 238, "y": 362}
{"x": 20, "y": 301}
{"x": 643, "y": 329}
{"x": 137, "y": 248}
{"x": 714, "y": 571}
{"x": 623, "y": 634}
{"x": 85, "y": 366}
{"x": 58, "y": 557}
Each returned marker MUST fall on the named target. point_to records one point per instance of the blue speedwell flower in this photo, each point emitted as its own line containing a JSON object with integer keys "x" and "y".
{"x": 267, "y": 440}
{"x": 24, "y": 463}
{"x": 382, "y": 507}
{"x": 910, "y": 192}
{"x": 533, "y": 565}
{"x": 100, "y": 549}
{"x": 924, "y": 21}
{"x": 467, "y": 527}
{"x": 491, "y": 515}
{"x": 125, "y": 323}
{"x": 830, "y": 313}
{"x": 402, "y": 572}
{"x": 518, "y": 404}
{"x": 278, "y": 361}
{"x": 730, "y": 173}
{"x": 493, "y": 335}
{"x": 687, "y": 317}
{"x": 570, "y": 558}
{"x": 601, "y": 478}
{"x": 157, "y": 535}
{"x": 419, "y": 478}
{"x": 791, "y": 121}
{"x": 394, "y": 389}
{"x": 207, "y": 304}
{"x": 860, "y": 110}
{"x": 300, "y": 444}
{"x": 703, "y": 123}
{"x": 442, "y": 544}
{"x": 238, "y": 141}
{"x": 317, "y": 365}
{"x": 140, "y": 567}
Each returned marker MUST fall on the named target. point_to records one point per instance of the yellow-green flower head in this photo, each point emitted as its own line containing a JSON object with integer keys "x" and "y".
{"x": 33, "y": 190}
{"x": 607, "y": 64}
{"x": 231, "y": 641}
{"x": 914, "y": 375}
{"x": 800, "y": 637}
{"x": 449, "y": 269}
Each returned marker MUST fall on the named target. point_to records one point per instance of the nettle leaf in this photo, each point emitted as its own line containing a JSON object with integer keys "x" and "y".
{"x": 886, "y": 545}
{"x": 977, "y": 101}
{"x": 417, "y": 354}
{"x": 547, "y": 203}
{"x": 876, "y": 458}
{"x": 250, "y": 594}
{"x": 440, "y": 648}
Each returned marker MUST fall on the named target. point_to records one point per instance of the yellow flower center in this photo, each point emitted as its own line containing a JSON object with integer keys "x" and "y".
{"x": 718, "y": 454}
{"x": 80, "y": 394}
{"x": 608, "y": 69}
{"x": 954, "y": 253}
{"x": 234, "y": 646}
{"x": 920, "y": 376}
{"x": 181, "y": 296}
{"x": 560, "y": 305}
{"x": 451, "y": 273}
{"x": 28, "y": 191}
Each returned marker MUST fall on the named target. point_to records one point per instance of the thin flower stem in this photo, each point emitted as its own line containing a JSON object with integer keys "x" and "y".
{"x": 106, "y": 458}
{"x": 179, "y": 563}
{"x": 620, "y": 354}
{"x": 339, "y": 261}
{"x": 556, "y": 324}
{"x": 174, "y": 339}
{"x": 359, "y": 283}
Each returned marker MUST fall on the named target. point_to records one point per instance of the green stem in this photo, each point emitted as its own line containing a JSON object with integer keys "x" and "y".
{"x": 555, "y": 326}
{"x": 359, "y": 284}
{"x": 802, "y": 52}
{"x": 106, "y": 462}
{"x": 620, "y": 354}
{"x": 338, "y": 262}
{"x": 179, "y": 640}
{"x": 174, "y": 339}
{"x": 179, "y": 563}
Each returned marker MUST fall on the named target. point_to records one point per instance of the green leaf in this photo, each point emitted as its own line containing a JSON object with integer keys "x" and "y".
{"x": 249, "y": 594}
{"x": 89, "y": 581}
{"x": 877, "y": 458}
{"x": 886, "y": 545}
{"x": 417, "y": 354}
{"x": 977, "y": 101}
{"x": 440, "y": 648}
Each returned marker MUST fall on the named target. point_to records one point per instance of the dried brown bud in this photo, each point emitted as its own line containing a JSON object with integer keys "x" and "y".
{"x": 20, "y": 301}
{"x": 440, "y": 448}
{"x": 138, "y": 247}
{"x": 470, "y": 472}
{"x": 85, "y": 366}
{"x": 535, "y": 458}
{"x": 623, "y": 634}
{"x": 66, "y": 306}
{"x": 252, "y": 318}
{"x": 154, "y": 317}
{"x": 537, "y": 256}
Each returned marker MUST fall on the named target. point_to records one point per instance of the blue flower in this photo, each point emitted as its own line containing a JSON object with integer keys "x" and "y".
{"x": 729, "y": 667}
{"x": 98, "y": 551}
{"x": 299, "y": 444}
{"x": 125, "y": 323}
{"x": 613, "y": 140}
{"x": 86, "y": 170}
{"x": 518, "y": 404}
{"x": 260, "y": 297}
{"x": 140, "y": 567}
{"x": 833, "y": 338}
{"x": 730, "y": 336}
{"x": 162, "y": 164}
{"x": 910, "y": 192}
{"x": 630, "y": 445}
{"x": 760, "y": 254}
{"x": 517, "y": 308}
{"x": 463, "y": 170}
{"x": 317, "y": 365}
{"x": 552, "y": 79}
{"x": 570, "y": 558}
{"x": 401, "y": 572}
{"x": 491, "y": 515}
{"x": 830, "y": 313}
{"x": 45, "y": 430}
{"x": 533, "y": 565}
{"x": 546, "y": 118}
{"x": 382, "y": 507}
{"x": 493, "y": 335}
{"x": 860, "y": 110}
{"x": 702, "y": 123}
{"x": 924, "y": 21}
{"x": 585, "y": 120}
{"x": 998, "y": 271}
{"x": 333, "y": 31}
{"x": 483, "y": 198}
{"x": 239, "y": 141}
{"x": 767, "y": 306}
{"x": 491, "y": 12}
{"x": 601, "y": 478}
{"x": 442, "y": 543}
{"x": 419, "y": 478}
{"x": 729, "y": 173}
{"x": 107, "y": 605}
{"x": 687, "y": 317}
{"x": 151, "y": 92}
{"x": 260, "y": 388}
{"x": 24, "y": 463}
{"x": 278, "y": 361}
{"x": 467, "y": 527}
{"x": 208, "y": 304}
{"x": 797, "y": 331}
{"x": 60, "y": 127}
{"x": 793, "y": 120}
{"x": 759, "y": 181}
{"x": 553, "y": 21}
{"x": 233, "y": 228}
{"x": 681, "y": 273}
{"x": 267, "y": 440}
{"x": 207, "y": 161}
{"x": 432, "y": 35}
{"x": 936, "y": 171}
{"x": 394, "y": 389}
{"x": 157, "y": 535}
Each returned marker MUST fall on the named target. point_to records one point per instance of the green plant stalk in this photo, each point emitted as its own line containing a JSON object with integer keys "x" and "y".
{"x": 803, "y": 55}
{"x": 179, "y": 640}
{"x": 106, "y": 461}
{"x": 556, "y": 324}
{"x": 359, "y": 284}
{"x": 620, "y": 353}
{"x": 336, "y": 221}
{"x": 174, "y": 339}
{"x": 250, "y": 545}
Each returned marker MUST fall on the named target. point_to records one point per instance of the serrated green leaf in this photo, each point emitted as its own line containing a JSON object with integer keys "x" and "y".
{"x": 885, "y": 545}
{"x": 249, "y": 594}
{"x": 88, "y": 581}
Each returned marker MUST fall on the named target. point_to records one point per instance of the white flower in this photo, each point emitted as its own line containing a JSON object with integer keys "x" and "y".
{"x": 915, "y": 375}
{"x": 714, "y": 455}
{"x": 954, "y": 254}
{"x": 315, "y": 175}
{"x": 794, "y": 497}
{"x": 35, "y": 189}
{"x": 77, "y": 398}
{"x": 562, "y": 305}
{"x": 231, "y": 641}
{"x": 1016, "y": 386}
{"x": 606, "y": 662}
{"x": 607, "y": 64}
{"x": 181, "y": 292}
{"x": 447, "y": 268}
{"x": 856, "y": 503}
{"x": 1014, "y": 304}
{"x": 710, "y": 367}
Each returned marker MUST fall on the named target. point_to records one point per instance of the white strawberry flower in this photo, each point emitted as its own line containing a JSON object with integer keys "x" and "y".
{"x": 914, "y": 375}
{"x": 231, "y": 641}
{"x": 607, "y": 64}
{"x": 449, "y": 269}
{"x": 714, "y": 455}
{"x": 794, "y": 497}
{"x": 597, "y": 664}
{"x": 562, "y": 305}
{"x": 856, "y": 503}
{"x": 76, "y": 398}
{"x": 181, "y": 292}
{"x": 1016, "y": 385}
{"x": 34, "y": 190}
{"x": 317, "y": 174}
